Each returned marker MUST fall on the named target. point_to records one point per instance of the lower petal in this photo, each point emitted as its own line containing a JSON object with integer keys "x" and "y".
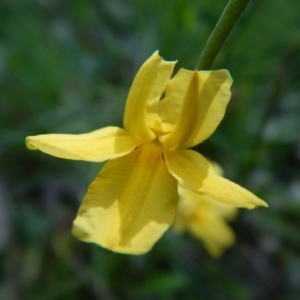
{"x": 130, "y": 204}
{"x": 205, "y": 219}
{"x": 214, "y": 233}
{"x": 193, "y": 171}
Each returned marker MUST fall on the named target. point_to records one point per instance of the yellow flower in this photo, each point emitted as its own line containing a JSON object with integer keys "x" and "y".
{"x": 133, "y": 199}
{"x": 205, "y": 218}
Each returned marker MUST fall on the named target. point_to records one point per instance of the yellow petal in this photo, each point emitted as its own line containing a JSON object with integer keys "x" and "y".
{"x": 202, "y": 98}
{"x": 214, "y": 233}
{"x": 218, "y": 169}
{"x": 169, "y": 108}
{"x": 193, "y": 171}
{"x": 97, "y": 146}
{"x": 148, "y": 86}
{"x": 130, "y": 204}
{"x": 204, "y": 204}
{"x": 205, "y": 219}
{"x": 187, "y": 89}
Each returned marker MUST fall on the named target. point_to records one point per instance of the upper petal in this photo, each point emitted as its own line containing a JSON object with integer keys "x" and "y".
{"x": 148, "y": 86}
{"x": 130, "y": 204}
{"x": 97, "y": 146}
{"x": 193, "y": 171}
{"x": 200, "y": 97}
{"x": 186, "y": 90}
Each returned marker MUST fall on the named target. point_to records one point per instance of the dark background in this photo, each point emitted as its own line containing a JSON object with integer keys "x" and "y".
{"x": 66, "y": 67}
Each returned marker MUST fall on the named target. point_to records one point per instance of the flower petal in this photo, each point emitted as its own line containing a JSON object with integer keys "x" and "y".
{"x": 193, "y": 171}
{"x": 187, "y": 90}
{"x": 205, "y": 219}
{"x": 202, "y": 98}
{"x": 99, "y": 145}
{"x": 130, "y": 204}
{"x": 148, "y": 86}
{"x": 191, "y": 201}
{"x": 215, "y": 234}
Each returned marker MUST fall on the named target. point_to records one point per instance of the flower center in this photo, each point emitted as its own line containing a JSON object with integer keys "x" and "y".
{"x": 156, "y": 143}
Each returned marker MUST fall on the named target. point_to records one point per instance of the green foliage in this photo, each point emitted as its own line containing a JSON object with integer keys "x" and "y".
{"x": 66, "y": 66}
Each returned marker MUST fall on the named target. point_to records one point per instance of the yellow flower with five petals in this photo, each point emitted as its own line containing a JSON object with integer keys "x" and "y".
{"x": 133, "y": 199}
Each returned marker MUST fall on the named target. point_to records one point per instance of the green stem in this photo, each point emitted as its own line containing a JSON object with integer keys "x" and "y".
{"x": 227, "y": 21}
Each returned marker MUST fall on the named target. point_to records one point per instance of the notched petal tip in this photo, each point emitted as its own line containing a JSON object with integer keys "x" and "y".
{"x": 156, "y": 56}
{"x": 256, "y": 202}
{"x": 29, "y": 143}
{"x": 156, "y": 53}
{"x": 263, "y": 203}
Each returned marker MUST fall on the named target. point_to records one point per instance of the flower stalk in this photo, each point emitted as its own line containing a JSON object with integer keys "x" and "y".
{"x": 227, "y": 21}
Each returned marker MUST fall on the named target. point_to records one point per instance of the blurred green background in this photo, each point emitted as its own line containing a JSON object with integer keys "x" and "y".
{"x": 66, "y": 67}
